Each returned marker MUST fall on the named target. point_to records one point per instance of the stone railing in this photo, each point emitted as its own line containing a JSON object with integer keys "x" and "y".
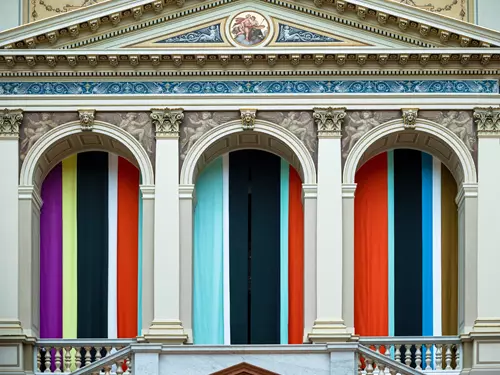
{"x": 66, "y": 356}
{"x": 425, "y": 354}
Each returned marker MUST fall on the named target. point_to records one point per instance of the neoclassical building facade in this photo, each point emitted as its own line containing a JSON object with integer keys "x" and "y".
{"x": 249, "y": 187}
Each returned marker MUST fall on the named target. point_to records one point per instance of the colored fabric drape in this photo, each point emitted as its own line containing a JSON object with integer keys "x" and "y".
{"x": 51, "y": 256}
{"x": 208, "y": 314}
{"x": 284, "y": 228}
{"x": 225, "y": 262}
{"x": 449, "y": 238}
{"x": 406, "y": 237}
{"x": 408, "y": 242}
{"x": 128, "y": 239}
{"x": 296, "y": 259}
{"x": 139, "y": 265}
{"x": 370, "y": 244}
{"x": 92, "y": 240}
{"x": 83, "y": 219}
{"x": 70, "y": 284}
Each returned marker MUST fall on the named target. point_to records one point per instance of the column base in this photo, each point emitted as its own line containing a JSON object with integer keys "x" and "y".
{"x": 489, "y": 325}
{"x": 166, "y": 332}
{"x": 329, "y": 331}
{"x": 11, "y": 328}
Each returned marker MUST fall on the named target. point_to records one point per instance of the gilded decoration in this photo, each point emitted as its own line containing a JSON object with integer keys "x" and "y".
{"x": 249, "y": 29}
{"x": 358, "y": 123}
{"x": 35, "y": 125}
{"x": 41, "y": 9}
{"x": 459, "y": 9}
{"x": 138, "y": 124}
{"x": 198, "y": 123}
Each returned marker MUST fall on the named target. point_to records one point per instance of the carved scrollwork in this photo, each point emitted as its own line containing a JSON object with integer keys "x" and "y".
{"x": 329, "y": 121}
{"x": 167, "y": 122}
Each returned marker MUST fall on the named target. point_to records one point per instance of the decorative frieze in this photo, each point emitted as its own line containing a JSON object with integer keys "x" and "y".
{"x": 409, "y": 116}
{"x": 10, "y": 121}
{"x": 86, "y": 117}
{"x": 248, "y": 118}
{"x": 487, "y": 121}
{"x": 329, "y": 121}
{"x": 167, "y": 121}
{"x": 458, "y": 122}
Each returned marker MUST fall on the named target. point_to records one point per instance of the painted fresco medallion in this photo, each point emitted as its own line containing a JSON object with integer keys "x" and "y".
{"x": 249, "y": 29}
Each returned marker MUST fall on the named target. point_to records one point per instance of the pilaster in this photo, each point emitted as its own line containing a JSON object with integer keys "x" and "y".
{"x": 10, "y": 264}
{"x": 329, "y": 324}
{"x": 348, "y": 191}
{"x": 166, "y": 325}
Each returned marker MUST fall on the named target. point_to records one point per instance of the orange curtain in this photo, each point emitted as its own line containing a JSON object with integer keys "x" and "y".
{"x": 127, "y": 257}
{"x": 371, "y": 249}
{"x": 295, "y": 260}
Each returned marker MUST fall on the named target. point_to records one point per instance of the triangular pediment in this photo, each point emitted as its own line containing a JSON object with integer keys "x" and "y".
{"x": 284, "y": 23}
{"x": 244, "y": 369}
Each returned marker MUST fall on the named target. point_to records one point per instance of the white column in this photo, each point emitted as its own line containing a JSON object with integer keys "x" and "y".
{"x": 309, "y": 193}
{"x": 148, "y": 211}
{"x": 186, "y": 226}
{"x": 166, "y": 326}
{"x": 488, "y": 221}
{"x": 348, "y": 191}
{"x": 10, "y": 322}
{"x": 329, "y": 324}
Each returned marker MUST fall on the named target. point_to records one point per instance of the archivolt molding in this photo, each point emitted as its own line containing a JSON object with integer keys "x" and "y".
{"x": 272, "y": 131}
{"x": 466, "y": 173}
{"x": 56, "y": 144}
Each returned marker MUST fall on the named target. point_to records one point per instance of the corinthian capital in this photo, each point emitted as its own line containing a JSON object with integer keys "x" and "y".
{"x": 487, "y": 121}
{"x": 329, "y": 121}
{"x": 10, "y": 122}
{"x": 167, "y": 122}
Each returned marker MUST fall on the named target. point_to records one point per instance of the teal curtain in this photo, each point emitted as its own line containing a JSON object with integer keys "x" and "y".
{"x": 208, "y": 297}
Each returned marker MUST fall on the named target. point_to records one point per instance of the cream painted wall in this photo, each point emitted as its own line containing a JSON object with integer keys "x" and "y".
{"x": 10, "y": 14}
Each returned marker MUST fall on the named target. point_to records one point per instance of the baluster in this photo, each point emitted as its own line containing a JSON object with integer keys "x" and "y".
{"x": 78, "y": 357}
{"x": 119, "y": 367}
{"x": 407, "y": 356}
{"x": 129, "y": 366}
{"x": 448, "y": 357}
{"x": 107, "y": 370}
{"x": 38, "y": 359}
{"x": 47, "y": 360}
{"x": 457, "y": 358}
{"x": 388, "y": 350}
{"x": 397, "y": 356}
{"x": 369, "y": 366}
{"x": 87, "y": 355}
{"x": 381, "y": 368}
{"x": 108, "y": 350}
{"x": 58, "y": 360}
{"x": 428, "y": 357}
{"x": 439, "y": 357}
{"x": 418, "y": 356}
{"x": 98, "y": 353}
{"x": 67, "y": 359}
{"x": 377, "y": 349}
{"x": 360, "y": 369}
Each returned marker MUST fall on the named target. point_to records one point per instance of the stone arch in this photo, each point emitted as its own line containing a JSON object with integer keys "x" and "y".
{"x": 69, "y": 138}
{"x": 265, "y": 136}
{"x": 427, "y": 136}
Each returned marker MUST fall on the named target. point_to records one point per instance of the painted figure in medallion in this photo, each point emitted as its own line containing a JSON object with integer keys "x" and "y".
{"x": 357, "y": 124}
{"x": 460, "y": 123}
{"x": 249, "y": 28}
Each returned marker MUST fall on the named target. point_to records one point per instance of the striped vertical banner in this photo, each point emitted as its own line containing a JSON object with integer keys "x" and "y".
{"x": 405, "y": 246}
{"x": 89, "y": 228}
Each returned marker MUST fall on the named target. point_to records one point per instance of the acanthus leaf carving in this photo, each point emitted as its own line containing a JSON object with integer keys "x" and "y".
{"x": 329, "y": 121}
{"x": 167, "y": 121}
{"x": 487, "y": 121}
{"x": 10, "y": 121}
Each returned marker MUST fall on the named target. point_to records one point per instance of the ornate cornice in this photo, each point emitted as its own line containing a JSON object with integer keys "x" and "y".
{"x": 409, "y": 116}
{"x": 167, "y": 121}
{"x": 329, "y": 121}
{"x": 10, "y": 122}
{"x": 266, "y": 61}
{"x": 248, "y": 118}
{"x": 487, "y": 121}
{"x": 86, "y": 117}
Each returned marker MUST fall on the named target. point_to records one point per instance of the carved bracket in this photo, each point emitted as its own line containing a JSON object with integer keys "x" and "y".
{"x": 487, "y": 121}
{"x": 87, "y": 117}
{"x": 10, "y": 122}
{"x": 167, "y": 122}
{"x": 409, "y": 116}
{"x": 248, "y": 118}
{"x": 329, "y": 121}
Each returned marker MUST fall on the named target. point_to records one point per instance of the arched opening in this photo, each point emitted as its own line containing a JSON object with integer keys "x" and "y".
{"x": 248, "y": 234}
{"x": 85, "y": 241}
{"x": 405, "y": 246}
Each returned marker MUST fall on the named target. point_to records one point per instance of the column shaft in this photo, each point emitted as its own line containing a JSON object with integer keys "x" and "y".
{"x": 348, "y": 255}
{"x": 148, "y": 201}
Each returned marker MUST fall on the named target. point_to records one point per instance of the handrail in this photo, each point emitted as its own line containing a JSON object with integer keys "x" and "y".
{"x": 108, "y": 360}
{"x": 399, "y": 367}
{"x": 373, "y": 340}
{"x": 83, "y": 342}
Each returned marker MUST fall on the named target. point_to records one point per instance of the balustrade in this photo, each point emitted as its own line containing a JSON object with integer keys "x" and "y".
{"x": 424, "y": 354}
{"x": 66, "y": 356}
